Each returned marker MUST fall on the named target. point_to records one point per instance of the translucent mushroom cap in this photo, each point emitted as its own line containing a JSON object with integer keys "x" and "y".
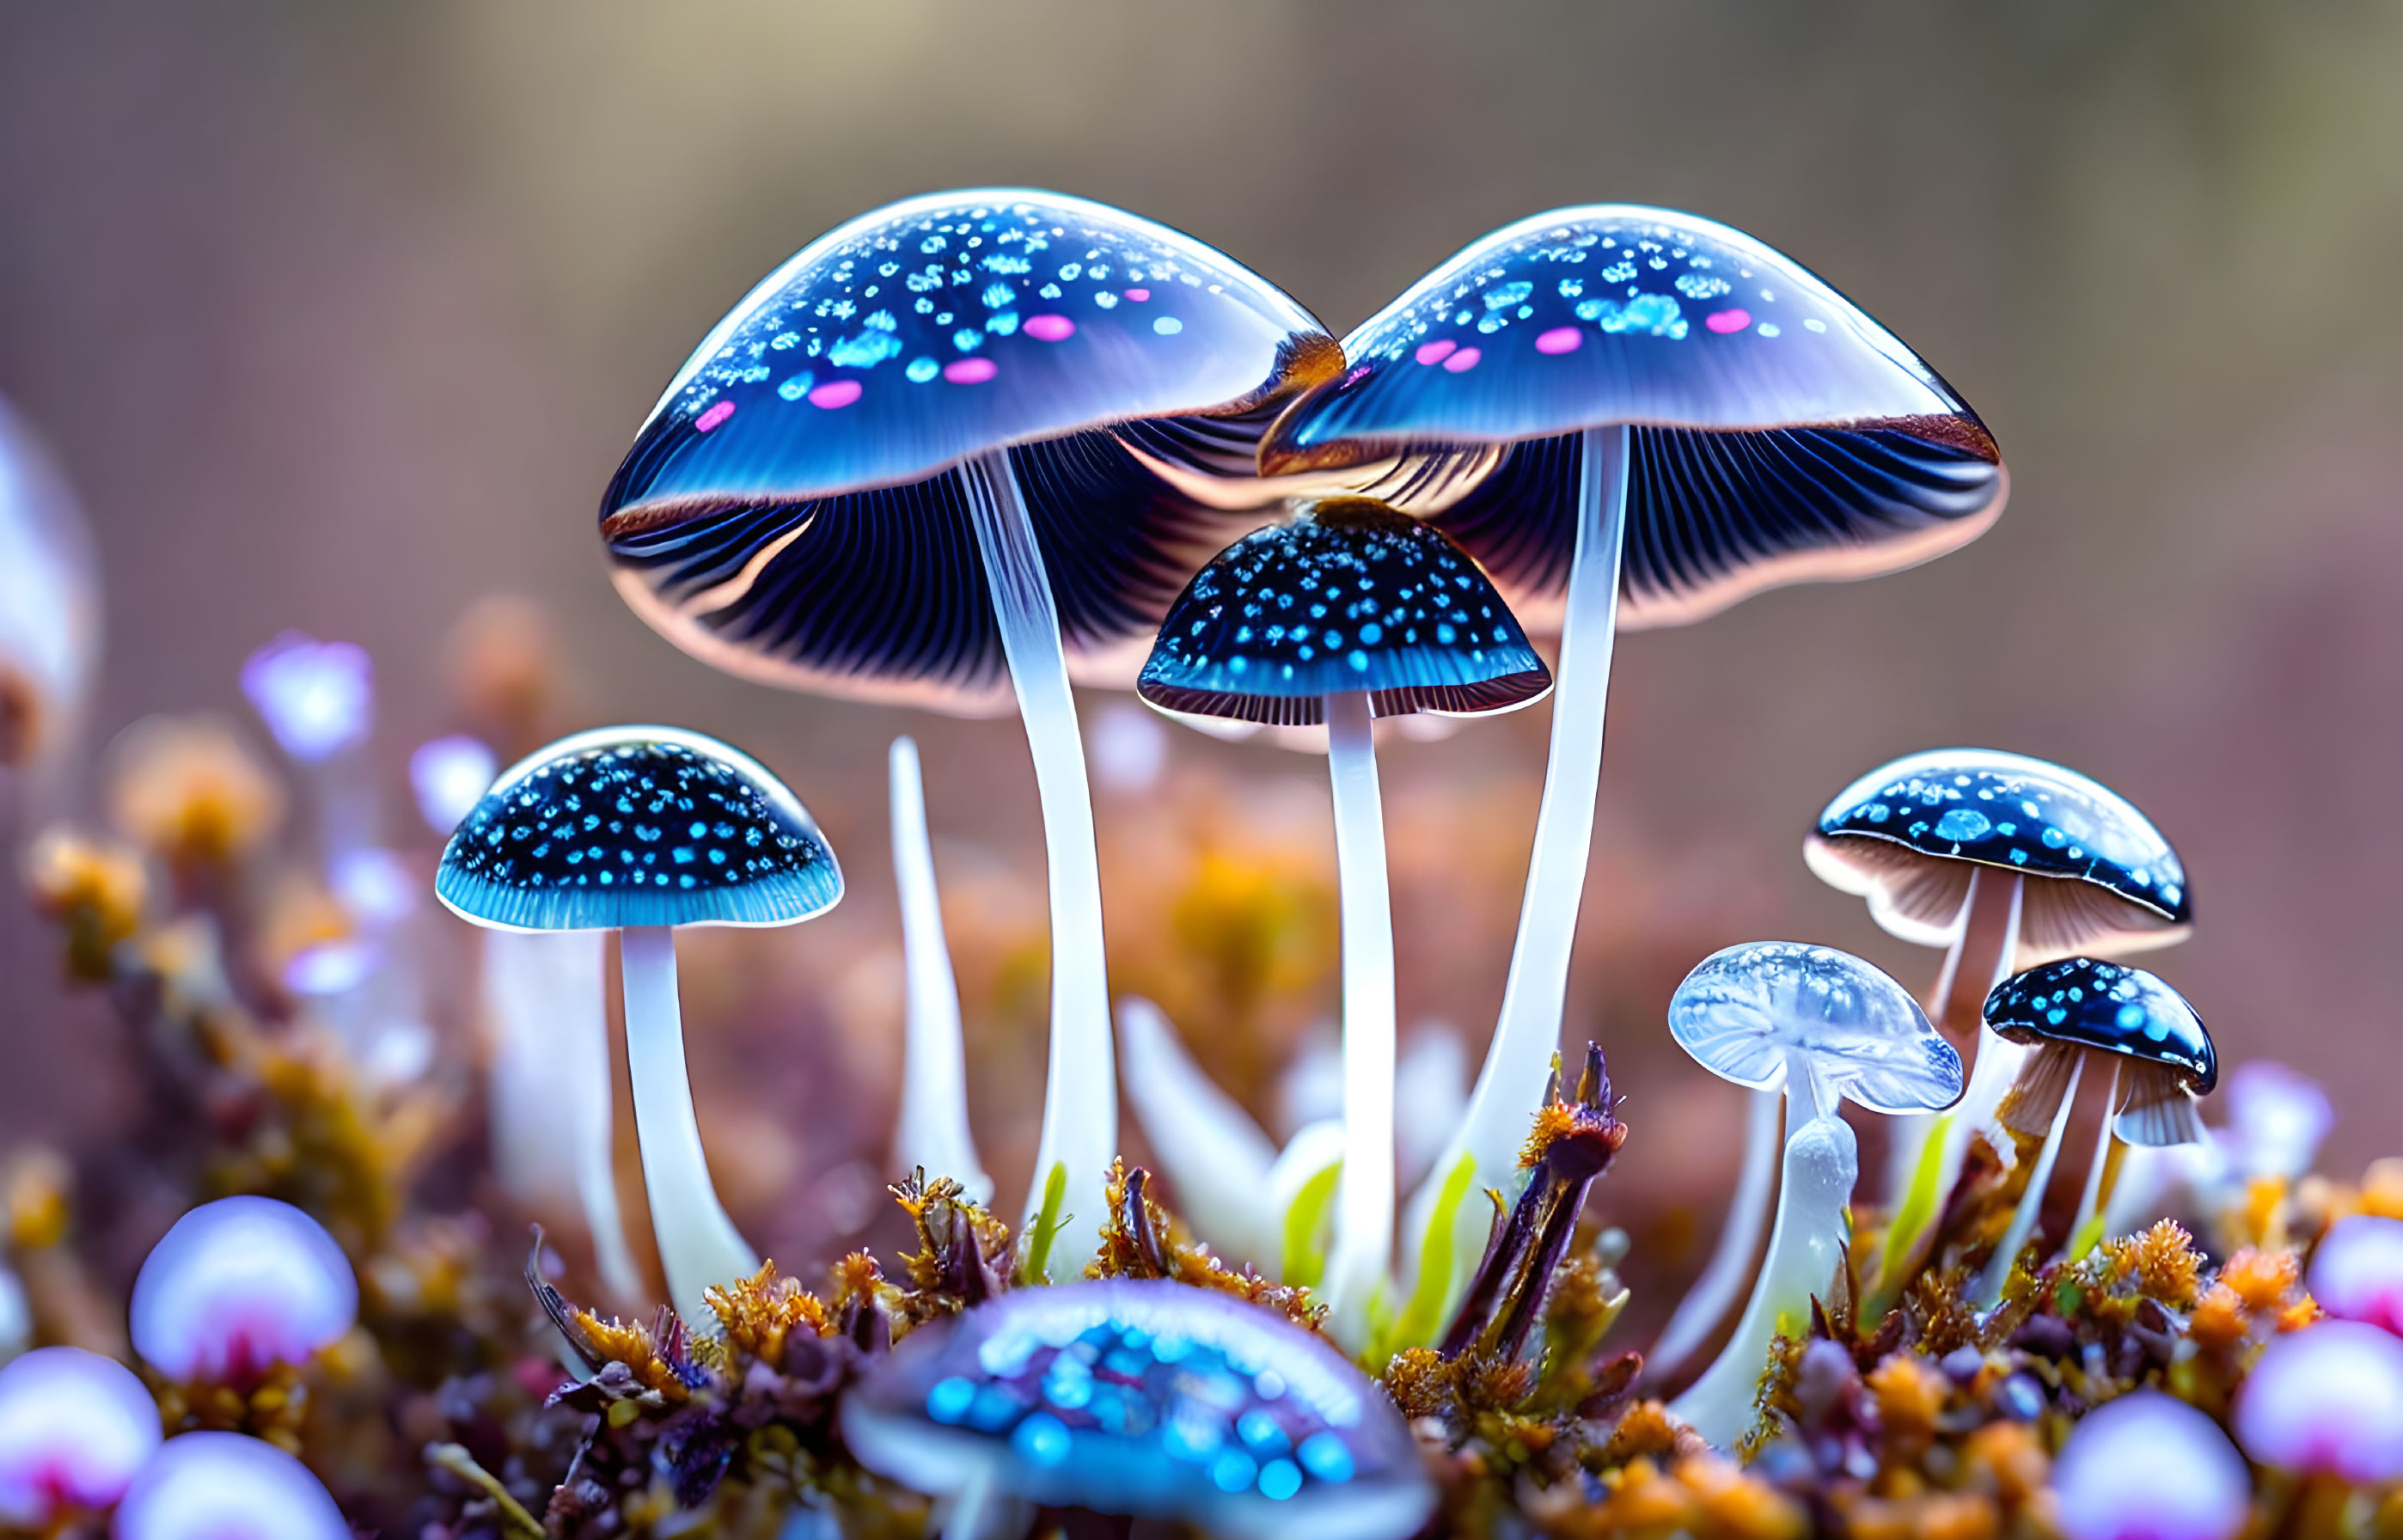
{"x": 1146, "y": 1399}
{"x": 1781, "y": 435}
{"x": 1908, "y": 835}
{"x": 73, "y": 1428}
{"x": 224, "y": 1486}
{"x": 637, "y": 826}
{"x": 2327, "y": 1400}
{"x": 238, "y": 1287}
{"x": 1759, "y": 1013}
{"x": 2147, "y": 1466}
{"x": 2358, "y": 1270}
{"x": 784, "y": 512}
{"x": 2105, "y": 1008}
{"x": 50, "y": 598}
{"x": 1355, "y": 596}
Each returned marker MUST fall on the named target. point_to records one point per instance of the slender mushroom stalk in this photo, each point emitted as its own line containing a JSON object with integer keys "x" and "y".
{"x": 1721, "y": 1281}
{"x": 1351, "y": 612}
{"x": 1828, "y": 1027}
{"x": 2006, "y": 1250}
{"x": 933, "y": 1130}
{"x": 1208, "y": 1146}
{"x": 641, "y": 831}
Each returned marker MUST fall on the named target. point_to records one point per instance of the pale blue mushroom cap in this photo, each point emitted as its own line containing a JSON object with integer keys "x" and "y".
{"x": 1765, "y": 1012}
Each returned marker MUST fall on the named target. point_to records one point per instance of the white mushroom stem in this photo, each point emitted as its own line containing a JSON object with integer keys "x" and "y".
{"x": 1706, "y": 1303}
{"x": 1080, "y": 1113}
{"x": 1518, "y": 1063}
{"x": 1363, "y": 1248}
{"x": 2083, "y": 1230}
{"x": 1806, "y": 1250}
{"x": 933, "y": 1129}
{"x": 698, "y": 1246}
{"x": 1214, "y": 1156}
{"x": 545, "y": 997}
{"x": 2006, "y": 1250}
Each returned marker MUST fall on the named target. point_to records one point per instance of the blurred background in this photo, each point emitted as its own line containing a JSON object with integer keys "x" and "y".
{"x": 339, "y": 319}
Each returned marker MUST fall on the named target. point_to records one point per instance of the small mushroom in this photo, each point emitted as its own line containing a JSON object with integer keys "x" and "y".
{"x": 933, "y": 1130}
{"x": 1144, "y": 1399}
{"x": 49, "y": 600}
{"x": 2127, "y": 1023}
{"x": 224, "y": 1486}
{"x": 951, "y": 450}
{"x": 2326, "y": 1402}
{"x": 1349, "y": 613}
{"x": 318, "y": 701}
{"x": 2358, "y": 1270}
{"x": 75, "y": 1427}
{"x": 237, "y": 1287}
{"x": 641, "y": 831}
{"x": 2147, "y": 1466}
{"x": 1829, "y": 1028}
{"x": 1632, "y": 417}
{"x": 2004, "y": 861}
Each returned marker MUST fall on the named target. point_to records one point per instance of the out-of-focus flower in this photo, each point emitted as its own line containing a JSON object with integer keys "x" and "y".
{"x": 1128, "y": 746}
{"x": 2357, "y": 1271}
{"x": 238, "y": 1287}
{"x": 376, "y": 886}
{"x": 450, "y": 776}
{"x": 318, "y": 698}
{"x": 2328, "y": 1401}
{"x": 73, "y": 1429}
{"x": 190, "y": 789}
{"x": 223, "y": 1486}
{"x": 93, "y": 890}
{"x": 2151, "y": 1467}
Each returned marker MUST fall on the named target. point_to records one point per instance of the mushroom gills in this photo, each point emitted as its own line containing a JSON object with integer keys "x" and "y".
{"x": 2047, "y": 1079}
{"x": 2158, "y": 1109}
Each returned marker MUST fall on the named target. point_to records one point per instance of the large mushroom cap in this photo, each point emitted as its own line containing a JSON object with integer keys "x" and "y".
{"x": 1146, "y": 1399}
{"x": 2105, "y": 1008}
{"x": 783, "y": 515}
{"x": 641, "y": 825}
{"x": 1355, "y": 596}
{"x": 1908, "y": 835}
{"x": 1749, "y": 1012}
{"x": 1781, "y": 434}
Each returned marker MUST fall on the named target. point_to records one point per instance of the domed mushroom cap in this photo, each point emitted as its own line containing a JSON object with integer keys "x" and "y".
{"x": 637, "y": 826}
{"x": 776, "y": 515}
{"x": 2327, "y": 1400}
{"x": 1751, "y": 1012}
{"x": 1782, "y": 433}
{"x": 2105, "y": 1008}
{"x": 237, "y": 1286}
{"x": 2147, "y": 1466}
{"x": 224, "y": 1486}
{"x": 2357, "y": 1271}
{"x": 49, "y": 596}
{"x": 1354, "y": 597}
{"x": 73, "y": 1428}
{"x": 1907, "y": 836}
{"x": 1146, "y": 1399}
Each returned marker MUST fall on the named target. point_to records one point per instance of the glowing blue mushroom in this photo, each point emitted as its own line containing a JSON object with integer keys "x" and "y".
{"x": 1630, "y": 416}
{"x": 641, "y": 831}
{"x": 75, "y": 1427}
{"x": 951, "y": 450}
{"x": 238, "y": 1287}
{"x": 1148, "y": 1399}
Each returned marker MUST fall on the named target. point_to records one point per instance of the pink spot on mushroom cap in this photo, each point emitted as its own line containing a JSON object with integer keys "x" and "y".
{"x": 2357, "y": 1272}
{"x": 75, "y": 1428}
{"x": 1049, "y": 329}
{"x": 2147, "y": 1466}
{"x": 971, "y": 371}
{"x": 1435, "y": 352}
{"x": 1726, "y": 321}
{"x": 2327, "y": 1399}
{"x": 238, "y": 1287}
{"x": 1463, "y": 361}
{"x": 1138, "y": 296}
{"x": 836, "y": 394}
{"x": 713, "y": 416}
{"x": 1560, "y": 339}
{"x": 224, "y": 1486}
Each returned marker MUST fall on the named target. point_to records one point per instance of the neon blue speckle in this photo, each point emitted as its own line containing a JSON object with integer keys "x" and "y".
{"x": 1167, "y": 325}
{"x": 1042, "y": 1440}
{"x": 798, "y": 386}
{"x": 948, "y": 1402}
{"x": 967, "y": 339}
{"x": 919, "y": 371}
{"x": 1962, "y": 825}
{"x": 1280, "y": 1480}
{"x": 1323, "y": 1455}
{"x": 1233, "y": 1471}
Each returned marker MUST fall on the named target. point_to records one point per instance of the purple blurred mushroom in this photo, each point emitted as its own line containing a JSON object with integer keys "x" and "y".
{"x": 73, "y": 1429}
{"x": 2148, "y": 1466}
{"x": 2326, "y": 1401}
{"x": 238, "y": 1287}
{"x": 223, "y": 1486}
{"x": 2357, "y": 1272}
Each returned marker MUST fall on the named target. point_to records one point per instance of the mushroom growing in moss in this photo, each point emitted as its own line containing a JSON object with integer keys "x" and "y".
{"x": 948, "y": 452}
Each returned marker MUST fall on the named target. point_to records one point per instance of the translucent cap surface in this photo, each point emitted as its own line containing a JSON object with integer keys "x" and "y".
{"x": 237, "y": 1286}
{"x": 73, "y": 1428}
{"x": 638, "y": 825}
{"x": 1146, "y": 1399}
{"x": 1754, "y": 1013}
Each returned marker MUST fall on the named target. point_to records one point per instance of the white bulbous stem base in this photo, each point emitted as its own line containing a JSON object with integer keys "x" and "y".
{"x": 1080, "y": 1109}
{"x": 1806, "y": 1251}
{"x": 1362, "y": 1252}
{"x": 698, "y": 1246}
{"x": 1526, "y": 1036}
{"x": 932, "y": 1131}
